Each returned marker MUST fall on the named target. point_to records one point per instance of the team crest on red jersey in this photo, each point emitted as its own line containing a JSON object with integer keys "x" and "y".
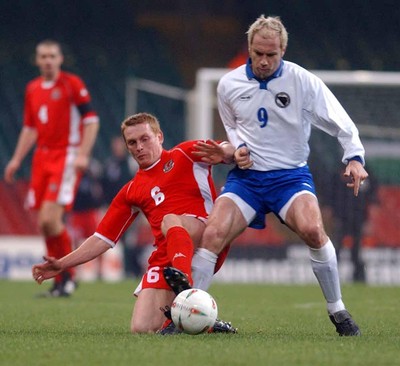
{"x": 168, "y": 166}
{"x": 56, "y": 94}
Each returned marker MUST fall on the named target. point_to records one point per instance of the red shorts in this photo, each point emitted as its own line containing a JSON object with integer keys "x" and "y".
{"x": 154, "y": 278}
{"x": 54, "y": 177}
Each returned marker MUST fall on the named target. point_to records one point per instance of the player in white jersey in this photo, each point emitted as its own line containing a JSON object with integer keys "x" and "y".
{"x": 268, "y": 107}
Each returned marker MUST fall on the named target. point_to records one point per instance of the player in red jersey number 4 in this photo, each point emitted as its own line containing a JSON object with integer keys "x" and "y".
{"x": 60, "y": 121}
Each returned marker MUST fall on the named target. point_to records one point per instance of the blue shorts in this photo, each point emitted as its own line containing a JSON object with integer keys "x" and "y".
{"x": 267, "y": 191}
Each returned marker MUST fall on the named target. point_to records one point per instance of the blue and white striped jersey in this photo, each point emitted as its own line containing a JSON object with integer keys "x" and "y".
{"x": 274, "y": 117}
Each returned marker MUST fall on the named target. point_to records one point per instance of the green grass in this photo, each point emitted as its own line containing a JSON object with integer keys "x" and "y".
{"x": 278, "y": 325}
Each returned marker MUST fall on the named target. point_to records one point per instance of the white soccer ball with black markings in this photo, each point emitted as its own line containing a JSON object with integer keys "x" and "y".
{"x": 194, "y": 311}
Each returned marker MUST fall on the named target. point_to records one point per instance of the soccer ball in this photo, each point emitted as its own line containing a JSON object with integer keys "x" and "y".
{"x": 194, "y": 311}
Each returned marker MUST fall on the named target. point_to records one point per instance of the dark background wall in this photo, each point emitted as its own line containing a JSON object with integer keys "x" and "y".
{"x": 167, "y": 41}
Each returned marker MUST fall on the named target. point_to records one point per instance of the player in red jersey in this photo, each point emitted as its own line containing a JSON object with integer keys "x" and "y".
{"x": 60, "y": 121}
{"x": 175, "y": 192}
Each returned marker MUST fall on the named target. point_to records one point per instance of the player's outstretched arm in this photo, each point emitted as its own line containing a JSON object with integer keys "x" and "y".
{"x": 90, "y": 249}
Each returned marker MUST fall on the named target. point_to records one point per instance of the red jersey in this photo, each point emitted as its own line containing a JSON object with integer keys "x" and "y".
{"x": 57, "y": 109}
{"x": 178, "y": 183}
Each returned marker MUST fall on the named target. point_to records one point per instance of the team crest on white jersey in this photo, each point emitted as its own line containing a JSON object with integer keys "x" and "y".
{"x": 168, "y": 166}
{"x": 282, "y": 100}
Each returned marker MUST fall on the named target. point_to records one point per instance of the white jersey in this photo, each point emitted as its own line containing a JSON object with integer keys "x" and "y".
{"x": 274, "y": 117}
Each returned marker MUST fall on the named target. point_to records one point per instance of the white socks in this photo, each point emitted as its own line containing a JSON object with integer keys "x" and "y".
{"x": 323, "y": 262}
{"x": 324, "y": 265}
{"x": 203, "y": 265}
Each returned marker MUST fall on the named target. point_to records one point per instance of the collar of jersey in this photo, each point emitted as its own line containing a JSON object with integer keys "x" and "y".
{"x": 263, "y": 83}
{"x": 152, "y": 165}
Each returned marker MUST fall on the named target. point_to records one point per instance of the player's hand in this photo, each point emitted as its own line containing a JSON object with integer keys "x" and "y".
{"x": 210, "y": 152}
{"x": 10, "y": 171}
{"x": 81, "y": 162}
{"x": 356, "y": 172}
{"x": 242, "y": 158}
{"x": 49, "y": 269}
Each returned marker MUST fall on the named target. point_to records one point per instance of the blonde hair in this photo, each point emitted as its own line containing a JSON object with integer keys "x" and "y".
{"x": 141, "y": 118}
{"x": 268, "y": 25}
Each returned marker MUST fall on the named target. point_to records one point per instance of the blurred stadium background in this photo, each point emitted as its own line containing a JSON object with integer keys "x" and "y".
{"x": 146, "y": 56}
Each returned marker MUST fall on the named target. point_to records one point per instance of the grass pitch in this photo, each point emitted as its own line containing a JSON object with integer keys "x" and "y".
{"x": 278, "y": 325}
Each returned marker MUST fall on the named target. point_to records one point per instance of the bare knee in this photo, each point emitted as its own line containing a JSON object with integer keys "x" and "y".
{"x": 48, "y": 226}
{"x": 225, "y": 224}
{"x": 146, "y": 315}
{"x": 141, "y": 329}
{"x": 214, "y": 239}
{"x": 51, "y": 219}
{"x": 168, "y": 221}
{"x": 313, "y": 234}
{"x": 145, "y": 323}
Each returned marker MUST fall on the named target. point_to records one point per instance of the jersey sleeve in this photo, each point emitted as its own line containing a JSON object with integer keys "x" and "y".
{"x": 82, "y": 100}
{"x": 332, "y": 118}
{"x": 118, "y": 218}
{"x": 227, "y": 116}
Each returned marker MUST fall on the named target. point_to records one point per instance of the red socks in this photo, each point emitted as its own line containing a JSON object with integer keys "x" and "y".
{"x": 180, "y": 250}
{"x": 58, "y": 246}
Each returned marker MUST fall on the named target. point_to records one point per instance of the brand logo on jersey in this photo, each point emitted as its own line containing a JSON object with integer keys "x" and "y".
{"x": 179, "y": 255}
{"x": 168, "y": 166}
{"x": 55, "y": 94}
{"x": 282, "y": 100}
{"x": 245, "y": 97}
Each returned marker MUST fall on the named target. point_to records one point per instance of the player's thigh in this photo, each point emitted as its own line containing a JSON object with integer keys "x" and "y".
{"x": 305, "y": 218}
{"x": 63, "y": 178}
{"x": 147, "y": 316}
{"x": 38, "y": 184}
{"x": 195, "y": 227}
{"x": 303, "y": 210}
{"x": 193, "y": 224}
